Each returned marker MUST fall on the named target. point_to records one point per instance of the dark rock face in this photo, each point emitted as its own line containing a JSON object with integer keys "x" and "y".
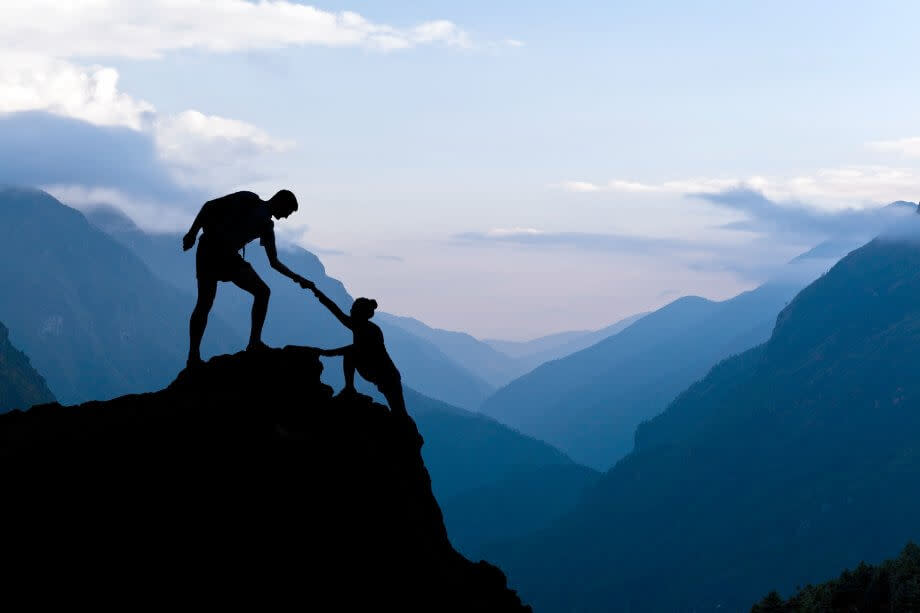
{"x": 244, "y": 480}
{"x": 20, "y": 385}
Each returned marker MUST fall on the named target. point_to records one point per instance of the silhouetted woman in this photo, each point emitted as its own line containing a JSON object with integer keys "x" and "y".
{"x": 367, "y": 353}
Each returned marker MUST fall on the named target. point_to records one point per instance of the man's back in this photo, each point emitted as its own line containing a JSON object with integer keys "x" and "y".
{"x": 233, "y": 220}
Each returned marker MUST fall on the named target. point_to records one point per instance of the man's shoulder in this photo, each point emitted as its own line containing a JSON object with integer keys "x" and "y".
{"x": 237, "y": 197}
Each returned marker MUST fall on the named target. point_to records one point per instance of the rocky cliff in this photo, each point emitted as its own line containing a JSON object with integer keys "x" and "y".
{"x": 243, "y": 481}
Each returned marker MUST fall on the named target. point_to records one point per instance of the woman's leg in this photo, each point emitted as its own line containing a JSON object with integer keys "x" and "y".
{"x": 348, "y": 364}
{"x": 393, "y": 392}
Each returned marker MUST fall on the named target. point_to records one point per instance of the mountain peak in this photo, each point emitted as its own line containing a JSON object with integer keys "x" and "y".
{"x": 243, "y": 475}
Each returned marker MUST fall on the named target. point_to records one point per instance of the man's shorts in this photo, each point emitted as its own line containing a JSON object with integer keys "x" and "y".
{"x": 219, "y": 265}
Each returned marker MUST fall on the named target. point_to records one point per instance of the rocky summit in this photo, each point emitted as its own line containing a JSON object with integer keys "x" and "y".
{"x": 244, "y": 481}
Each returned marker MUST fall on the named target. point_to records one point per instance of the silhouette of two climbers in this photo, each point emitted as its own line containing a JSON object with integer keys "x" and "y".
{"x": 228, "y": 223}
{"x": 367, "y": 354}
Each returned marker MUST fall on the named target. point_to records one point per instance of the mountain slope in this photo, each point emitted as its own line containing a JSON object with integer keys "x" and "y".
{"x": 490, "y": 365}
{"x": 893, "y": 585}
{"x": 294, "y": 315}
{"x": 88, "y": 313}
{"x": 589, "y": 403}
{"x": 781, "y": 466}
{"x": 20, "y": 385}
{"x": 492, "y": 482}
{"x": 220, "y": 489}
{"x": 557, "y": 346}
{"x": 499, "y": 362}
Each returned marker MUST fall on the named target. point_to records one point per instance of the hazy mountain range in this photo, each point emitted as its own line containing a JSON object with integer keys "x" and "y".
{"x": 93, "y": 319}
{"x": 589, "y": 403}
{"x": 499, "y": 362}
{"x": 781, "y": 466}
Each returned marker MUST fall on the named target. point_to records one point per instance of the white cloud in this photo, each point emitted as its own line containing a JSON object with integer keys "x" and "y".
{"x": 200, "y": 150}
{"x": 34, "y": 83}
{"x": 831, "y": 188}
{"x": 908, "y": 147}
{"x": 513, "y": 232}
{"x": 151, "y": 215}
{"x": 205, "y": 150}
{"x": 147, "y": 29}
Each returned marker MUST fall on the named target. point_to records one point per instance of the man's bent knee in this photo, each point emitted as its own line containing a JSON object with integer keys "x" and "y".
{"x": 263, "y": 293}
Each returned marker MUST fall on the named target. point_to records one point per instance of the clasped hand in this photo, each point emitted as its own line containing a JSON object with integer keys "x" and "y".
{"x": 188, "y": 241}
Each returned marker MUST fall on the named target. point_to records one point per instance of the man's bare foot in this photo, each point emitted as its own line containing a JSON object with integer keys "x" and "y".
{"x": 257, "y": 346}
{"x": 193, "y": 362}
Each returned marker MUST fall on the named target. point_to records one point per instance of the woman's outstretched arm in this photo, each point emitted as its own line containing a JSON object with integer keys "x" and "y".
{"x": 332, "y": 352}
{"x": 333, "y": 307}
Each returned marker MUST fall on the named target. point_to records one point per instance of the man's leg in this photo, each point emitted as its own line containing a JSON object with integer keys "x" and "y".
{"x": 207, "y": 289}
{"x": 248, "y": 280}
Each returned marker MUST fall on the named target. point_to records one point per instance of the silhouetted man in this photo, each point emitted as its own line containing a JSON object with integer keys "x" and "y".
{"x": 228, "y": 224}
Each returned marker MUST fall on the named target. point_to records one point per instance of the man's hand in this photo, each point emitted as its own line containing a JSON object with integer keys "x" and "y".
{"x": 188, "y": 241}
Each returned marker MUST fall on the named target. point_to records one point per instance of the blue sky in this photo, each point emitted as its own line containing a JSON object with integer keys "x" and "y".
{"x": 427, "y": 158}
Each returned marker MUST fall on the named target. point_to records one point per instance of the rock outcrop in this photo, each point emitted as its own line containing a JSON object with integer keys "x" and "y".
{"x": 243, "y": 481}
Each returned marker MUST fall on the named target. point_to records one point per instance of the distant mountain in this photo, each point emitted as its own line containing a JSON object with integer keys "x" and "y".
{"x": 520, "y": 504}
{"x": 519, "y": 349}
{"x": 244, "y": 481}
{"x": 294, "y": 316}
{"x": 783, "y": 465}
{"x": 589, "y": 403}
{"x": 20, "y": 385}
{"x": 488, "y": 364}
{"x": 893, "y": 585}
{"x": 89, "y": 314}
{"x": 499, "y": 362}
{"x": 492, "y": 482}
{"x": 557, "y": 346}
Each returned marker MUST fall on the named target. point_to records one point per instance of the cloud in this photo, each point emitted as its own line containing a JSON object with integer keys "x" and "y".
{"x": 35, "y": 83}
{"x": 908, "y": 147}
{"x": 829, "y": 188}
{"x": 150, "y": 29}
{"x": 205, "y": 149}
{"x": 38, "y": 148}
{"x": 390, "y": 258}
{"x": 576, "y": 240}
{"x": 796, "y": 222}
{"x": 195, "y": 149}
{"x": 773, "y": 233}
{"x": 157, "y": 216}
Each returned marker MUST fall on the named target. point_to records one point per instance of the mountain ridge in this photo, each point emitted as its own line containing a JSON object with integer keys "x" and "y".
{"x": 779, "y": 467}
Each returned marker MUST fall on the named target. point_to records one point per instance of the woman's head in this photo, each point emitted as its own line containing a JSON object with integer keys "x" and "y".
{"x": 363, "y": 308}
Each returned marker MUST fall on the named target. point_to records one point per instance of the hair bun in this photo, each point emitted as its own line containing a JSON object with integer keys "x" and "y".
{"x": 373, "y": 303}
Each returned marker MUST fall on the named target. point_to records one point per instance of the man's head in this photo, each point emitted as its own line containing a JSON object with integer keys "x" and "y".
{"x": 282, "y": 204}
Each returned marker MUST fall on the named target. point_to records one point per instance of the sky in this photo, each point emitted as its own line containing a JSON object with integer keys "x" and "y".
{"x": 509, "y": 169}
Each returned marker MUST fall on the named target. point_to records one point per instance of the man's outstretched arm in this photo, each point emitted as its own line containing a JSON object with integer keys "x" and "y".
{"x": 272, "y": 252}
